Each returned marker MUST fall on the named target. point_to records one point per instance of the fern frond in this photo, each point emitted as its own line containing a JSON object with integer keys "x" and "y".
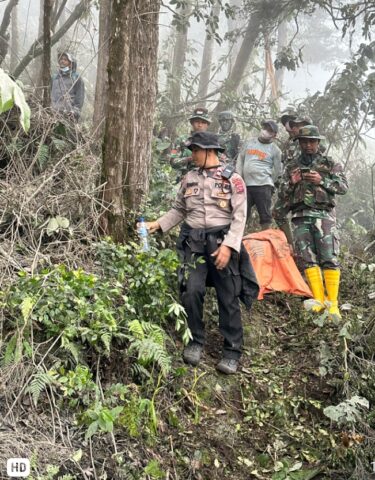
{"x": 43, "y": 155}
{"x": 139, "y": 371}
{"x": 71, "y": 347}
{"x": 106, "y": 339}
{"x": 38, "y": 384}
{"x": 9, "y": 351}
{"x": 149, "y": 352}
{"x": 136, "y": 328}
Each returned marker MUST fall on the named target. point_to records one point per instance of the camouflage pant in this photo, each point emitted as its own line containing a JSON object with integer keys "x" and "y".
{"x": 316, "y": 242}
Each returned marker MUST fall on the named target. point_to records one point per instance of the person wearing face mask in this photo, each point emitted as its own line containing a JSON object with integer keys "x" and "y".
{"x": 68, "y": 88}
{"x": 228, "y": 138}
{"x": 259, "y": 164}
{"x": 292, "y": 123}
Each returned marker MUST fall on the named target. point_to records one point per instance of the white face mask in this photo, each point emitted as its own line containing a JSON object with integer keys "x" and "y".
{"x": 266, "y": 135}
{"x": 64, "y": 69}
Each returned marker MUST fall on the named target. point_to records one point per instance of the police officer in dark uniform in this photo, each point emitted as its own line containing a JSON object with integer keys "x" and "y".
{"x": 212, "y": 205}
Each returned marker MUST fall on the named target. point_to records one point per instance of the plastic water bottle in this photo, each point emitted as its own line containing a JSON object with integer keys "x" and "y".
{"x": 143, "y": 234}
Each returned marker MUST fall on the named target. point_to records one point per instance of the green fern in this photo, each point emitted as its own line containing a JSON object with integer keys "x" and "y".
{"x": 151, "y": 352}
{"x": 9, "y": 351}
{"x": 136, "y": 329}
{"x": 71, "y": 347}
{"x": 59, "y": 144}
{"x": 42, "y": 155}
{"x": 38, "y": 384}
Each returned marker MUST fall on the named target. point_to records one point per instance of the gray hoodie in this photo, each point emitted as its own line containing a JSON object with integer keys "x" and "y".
{"x": 68, "y": 90}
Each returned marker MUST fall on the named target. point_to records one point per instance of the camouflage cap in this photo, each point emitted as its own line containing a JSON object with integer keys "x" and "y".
{"x": 309, "y": 131}
{"x": 200, "y": 113}
{"x": 301, "y": 119}
{"x": 226, "y": 115}
{"x": 288, "y": 114}
{"x": 204, "y": 140}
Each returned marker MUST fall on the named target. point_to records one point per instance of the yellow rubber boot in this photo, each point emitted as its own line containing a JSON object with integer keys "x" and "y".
{"x": 332, "y": 282}
{"x": 315, "y": 281}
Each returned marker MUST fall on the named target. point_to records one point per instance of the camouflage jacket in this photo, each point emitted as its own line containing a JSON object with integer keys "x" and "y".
{"x": 231, "y": 141}
{"x": 306, "y": 199}
{"x": 180, "y": 156}
{"x": 290, "y": 151}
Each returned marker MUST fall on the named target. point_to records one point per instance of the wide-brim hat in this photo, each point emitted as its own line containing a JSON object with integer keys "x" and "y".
{"x": 309, "y": 131}
{"x": 204, "y": 140}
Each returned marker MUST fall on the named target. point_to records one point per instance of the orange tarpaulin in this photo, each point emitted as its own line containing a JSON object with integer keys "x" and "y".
{"x": 274, "y": 266}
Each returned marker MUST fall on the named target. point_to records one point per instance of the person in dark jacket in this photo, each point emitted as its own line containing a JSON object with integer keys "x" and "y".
{"x": 68, "y": 88}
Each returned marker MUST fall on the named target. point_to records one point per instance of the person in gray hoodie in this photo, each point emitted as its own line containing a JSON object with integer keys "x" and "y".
{"x": 68, "y": 88}
{"x": 259, "y": 164}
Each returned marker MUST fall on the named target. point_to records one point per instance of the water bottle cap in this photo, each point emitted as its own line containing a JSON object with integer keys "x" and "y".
{"x": 141, "y": 219}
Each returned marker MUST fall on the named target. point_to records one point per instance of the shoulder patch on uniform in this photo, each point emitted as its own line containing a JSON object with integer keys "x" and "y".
{"x": 238, "y": 185}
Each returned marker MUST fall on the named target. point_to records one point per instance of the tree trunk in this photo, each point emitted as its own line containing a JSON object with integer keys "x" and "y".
{"x": 101, "y": 87}
{"x": 14, "y": 39}
{"x": 259, "y": 22}
{"x": 235, "y": 76}
{"x": 179, "y": 56}
{"x": 282, "y": 40}
{"x": 46, "y": 61}
{"x": 36, "y": 48}
{"x": 208, "y": 50}
{"x": 234, "y": 24}
{"x": 132, "y": 75}
{"x": 4, "y": 34}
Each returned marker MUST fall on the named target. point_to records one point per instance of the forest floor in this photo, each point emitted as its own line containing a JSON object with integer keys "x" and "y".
{"x": 266, "y": 422}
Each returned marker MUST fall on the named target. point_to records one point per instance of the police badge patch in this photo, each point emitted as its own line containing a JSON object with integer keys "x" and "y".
{"x": 223, "y": 203}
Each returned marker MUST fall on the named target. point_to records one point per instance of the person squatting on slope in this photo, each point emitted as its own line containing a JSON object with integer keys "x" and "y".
{"x": 308, "y": 190}
{"x": 68, "y": 88}
{"x": 213, "y": 208}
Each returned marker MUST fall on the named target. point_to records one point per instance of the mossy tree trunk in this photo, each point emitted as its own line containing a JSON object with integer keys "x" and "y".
{"x": 132, "y": 77}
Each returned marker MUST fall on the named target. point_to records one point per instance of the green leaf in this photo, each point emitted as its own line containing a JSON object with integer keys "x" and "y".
{"x": 62, "y": 222}
{"x": 26, "y": 308}
{"x": 10, "y": 95}
{"x": 77, "y": 455}
{"x": 93, "y": 428}
{"x": 52, "y": 226}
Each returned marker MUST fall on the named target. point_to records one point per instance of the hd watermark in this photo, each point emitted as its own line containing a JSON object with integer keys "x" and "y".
{"x": 18, "y": 467}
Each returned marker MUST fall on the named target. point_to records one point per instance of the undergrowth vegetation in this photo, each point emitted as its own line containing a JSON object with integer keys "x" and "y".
{"x": 92, "y": 383}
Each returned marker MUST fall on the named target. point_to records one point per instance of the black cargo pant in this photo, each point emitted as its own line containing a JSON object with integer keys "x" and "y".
{"x": 200, "y": 270}
{"x": 261, "y": 197}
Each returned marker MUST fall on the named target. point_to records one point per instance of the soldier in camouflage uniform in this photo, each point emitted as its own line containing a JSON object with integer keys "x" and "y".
{"x": 228, "y": 138}
{"x": 311, "y": 182}
{"x": 291, "y": 149}
{"x": 180, "y": 157}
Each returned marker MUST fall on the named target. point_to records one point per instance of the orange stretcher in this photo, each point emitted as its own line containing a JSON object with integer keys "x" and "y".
{"x": 273, "y": 264}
